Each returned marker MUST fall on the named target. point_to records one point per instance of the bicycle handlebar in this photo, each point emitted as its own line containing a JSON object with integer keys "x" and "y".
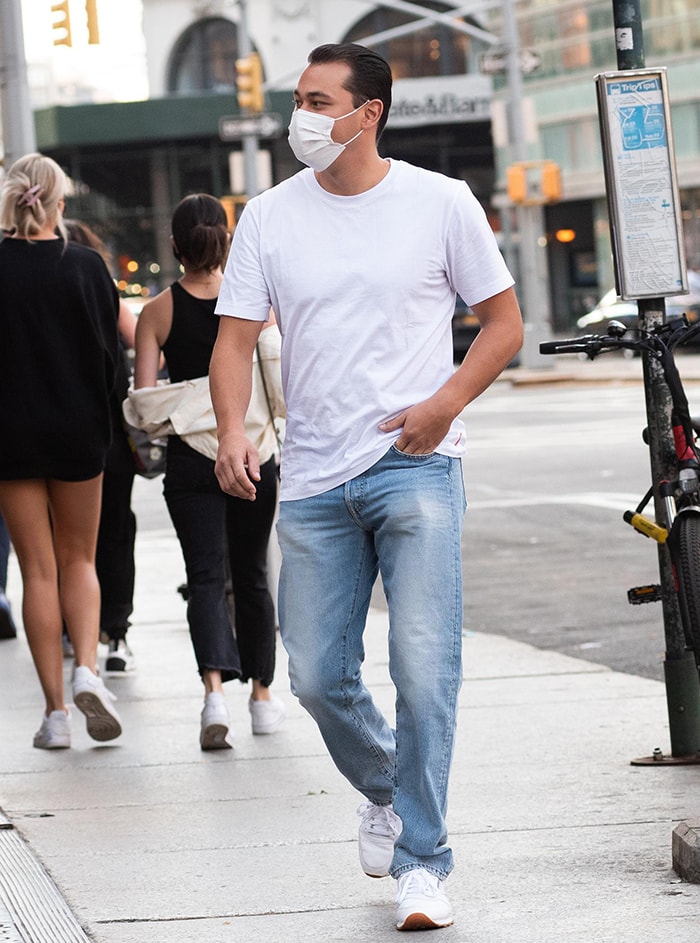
{"x": 590, "y": 344}
{"x": 666, "y": 337}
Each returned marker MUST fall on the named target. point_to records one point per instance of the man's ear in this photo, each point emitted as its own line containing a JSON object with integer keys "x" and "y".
{"x": 373, "y": 112}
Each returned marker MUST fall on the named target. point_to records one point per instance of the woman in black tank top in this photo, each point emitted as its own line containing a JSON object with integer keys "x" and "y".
{"x": 222, "y": 538}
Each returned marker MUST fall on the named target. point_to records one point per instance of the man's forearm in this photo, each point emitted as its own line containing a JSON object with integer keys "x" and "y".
{"x": 230, "y": 380}
{"x": 230, "y": 386}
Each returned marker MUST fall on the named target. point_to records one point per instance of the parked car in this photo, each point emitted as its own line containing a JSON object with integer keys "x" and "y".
{"x": 465, "y": 327}
{"x": 612, "y": 308}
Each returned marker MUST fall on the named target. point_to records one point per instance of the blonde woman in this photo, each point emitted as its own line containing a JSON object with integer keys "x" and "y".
{"x": 58, "y": 321}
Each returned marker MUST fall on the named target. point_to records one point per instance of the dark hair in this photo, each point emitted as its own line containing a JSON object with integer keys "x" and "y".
{"x": 370, "y": 74}
{"x": 82, "y": 234}
{"x": 200, "y": 231}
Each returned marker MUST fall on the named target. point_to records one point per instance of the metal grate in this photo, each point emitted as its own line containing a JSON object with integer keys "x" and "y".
{"x": 32, "y": 909}
{"x": 8, "y": 931}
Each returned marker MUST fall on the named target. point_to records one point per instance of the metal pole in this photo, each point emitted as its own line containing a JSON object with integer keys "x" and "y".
{"x": 680, "y": 669}
{"x": 18, "y": 132}
{"x": 250, "y": 141}
{"x": 529, "y": 219}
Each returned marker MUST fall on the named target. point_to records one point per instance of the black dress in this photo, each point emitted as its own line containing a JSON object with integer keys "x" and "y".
{"x": 58, "y": 354}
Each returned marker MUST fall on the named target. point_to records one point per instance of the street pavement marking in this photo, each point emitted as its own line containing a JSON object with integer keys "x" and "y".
{"x": 612, "y": 501}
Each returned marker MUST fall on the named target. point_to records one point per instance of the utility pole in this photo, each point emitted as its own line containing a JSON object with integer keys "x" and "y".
{"x": 18, "y": 133}
{"x": 680, "y": 668}
{"x": 529, "y": 219}
{"x": 250, "y": 141}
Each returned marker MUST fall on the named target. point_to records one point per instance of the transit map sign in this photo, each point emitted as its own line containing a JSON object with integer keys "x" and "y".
{"x": 641, "y": 184}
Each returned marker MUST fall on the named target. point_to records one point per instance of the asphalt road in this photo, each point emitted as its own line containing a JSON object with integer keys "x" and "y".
{"x": 547, "y": 557}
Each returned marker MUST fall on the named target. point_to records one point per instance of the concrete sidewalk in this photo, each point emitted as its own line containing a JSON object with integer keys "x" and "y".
{"x": 556, "y": 836}
{"x": 606, "y": 368}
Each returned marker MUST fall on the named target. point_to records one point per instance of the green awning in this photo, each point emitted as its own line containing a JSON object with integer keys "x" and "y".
{"x": 178, "y": 117}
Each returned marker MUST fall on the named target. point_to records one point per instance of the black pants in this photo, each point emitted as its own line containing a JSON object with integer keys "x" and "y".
{"x": 218, "y": 534}
{"x": 114, "y": 560}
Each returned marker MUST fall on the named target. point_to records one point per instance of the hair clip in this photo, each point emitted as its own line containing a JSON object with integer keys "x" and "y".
{"x": 30, "y": 196}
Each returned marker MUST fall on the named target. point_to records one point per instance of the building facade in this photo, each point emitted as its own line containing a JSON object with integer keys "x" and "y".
{"x": 574, "y": 41}
{"x": 132, "y": 162}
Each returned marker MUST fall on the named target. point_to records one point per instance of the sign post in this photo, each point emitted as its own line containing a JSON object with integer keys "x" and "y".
{"x": 637, "y": 141}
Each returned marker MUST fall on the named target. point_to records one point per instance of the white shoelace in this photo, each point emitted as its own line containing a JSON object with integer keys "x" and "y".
{"x": 380, "y": 820}
{"x": 418, "y": 881}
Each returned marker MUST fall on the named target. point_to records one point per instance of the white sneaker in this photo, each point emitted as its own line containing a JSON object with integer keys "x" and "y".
{"x": 266, "y": 716}
{"x": 54, "y": 733}
{"x": 379, "y": 829}
{"x": 421, "y": 903}
{"x": 94, "y": 700}
{"x": 215, "y": 723}
{"x": 120, "y": 659}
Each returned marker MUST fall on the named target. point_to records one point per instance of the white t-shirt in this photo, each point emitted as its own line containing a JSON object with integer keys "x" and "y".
{"x": 364, "y": 292}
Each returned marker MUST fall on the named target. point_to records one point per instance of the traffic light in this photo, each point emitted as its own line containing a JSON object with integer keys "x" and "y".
{"x": 61, "y": 23}
{"x": 551, "y": 182}
{"x": 516, "y": 183}
{"x": 249, "y": 83}
{"x": 92, "y": 24}
{"x": 533, "y": 182}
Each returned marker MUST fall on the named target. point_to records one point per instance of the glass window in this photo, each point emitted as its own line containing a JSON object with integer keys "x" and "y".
{"x": 434, "y": 50}
{"x": 204, "y": 58}
{"x": 577, "y": 36}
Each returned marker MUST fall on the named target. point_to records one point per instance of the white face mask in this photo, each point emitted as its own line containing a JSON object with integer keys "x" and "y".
{"x": 310, "y": 138}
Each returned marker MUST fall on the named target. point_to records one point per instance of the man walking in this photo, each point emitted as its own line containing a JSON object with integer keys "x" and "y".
{"x": 360, "y": 258}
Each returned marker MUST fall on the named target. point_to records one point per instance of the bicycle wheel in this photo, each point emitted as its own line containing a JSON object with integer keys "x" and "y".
{"x": 688, "y": 575}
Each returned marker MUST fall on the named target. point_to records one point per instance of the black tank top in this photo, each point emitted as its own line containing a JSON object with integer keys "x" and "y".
{"x": 192, "y": 334}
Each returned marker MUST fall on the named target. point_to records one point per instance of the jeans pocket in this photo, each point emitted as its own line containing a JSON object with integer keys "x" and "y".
{"x": 421, "y": 456}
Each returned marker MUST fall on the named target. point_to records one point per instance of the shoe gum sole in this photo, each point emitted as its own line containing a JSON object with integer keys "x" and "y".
{"x": 213, "y": 737}
{"x": 101, "y": 725}
{"x": 376, "y": 874}
{"x": 419, "y": 921}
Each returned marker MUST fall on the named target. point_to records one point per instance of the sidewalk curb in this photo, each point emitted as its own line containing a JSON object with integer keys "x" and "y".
{"x": 686, "y": 850}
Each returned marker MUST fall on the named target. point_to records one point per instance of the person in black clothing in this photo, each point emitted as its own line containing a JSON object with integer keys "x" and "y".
{"x": 58, "y": 321}
{"x": 116, "y": 536}
{"x": 218, "y": 534}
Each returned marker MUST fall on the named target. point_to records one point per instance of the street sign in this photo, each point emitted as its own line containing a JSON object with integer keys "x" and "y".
{"x": 495, "y": 62}
{"x": 236, "y": 127}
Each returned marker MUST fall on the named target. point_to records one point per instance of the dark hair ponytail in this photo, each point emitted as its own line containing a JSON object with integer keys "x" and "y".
{"x": 200, "y": 232}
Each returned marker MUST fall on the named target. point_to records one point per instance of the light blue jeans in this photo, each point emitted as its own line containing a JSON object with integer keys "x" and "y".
{"x": 403, "y": 518}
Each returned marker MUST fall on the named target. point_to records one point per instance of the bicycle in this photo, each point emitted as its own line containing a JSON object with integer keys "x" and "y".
{"x": 680, "y": 491}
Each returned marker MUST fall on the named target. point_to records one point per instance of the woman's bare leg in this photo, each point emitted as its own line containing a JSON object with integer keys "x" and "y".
{"x": 25, "y": 507}
{"x": 75, "y": 513}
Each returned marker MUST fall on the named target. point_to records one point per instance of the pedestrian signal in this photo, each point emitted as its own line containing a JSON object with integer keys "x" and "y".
{"x": 249, "y": 83}
{"x": 61, "y": 23}
{"x": 533, "y": 182}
